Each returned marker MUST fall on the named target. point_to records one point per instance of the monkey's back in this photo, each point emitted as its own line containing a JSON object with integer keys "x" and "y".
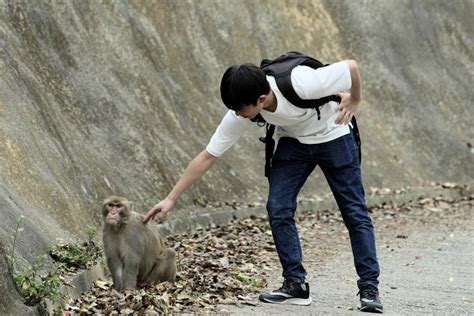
{"x": 151, "y": 243}
{"x": 150, "y": 230}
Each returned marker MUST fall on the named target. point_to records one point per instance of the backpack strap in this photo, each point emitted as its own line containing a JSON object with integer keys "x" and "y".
{"x": 269, "y": 147}
{"x": 267, "y": 140}
{"x": 286, "y": 88}
{"x": 355, "y": 130}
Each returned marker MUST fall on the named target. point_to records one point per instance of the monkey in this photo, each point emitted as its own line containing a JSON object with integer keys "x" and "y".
{"x": 135, "y": 252}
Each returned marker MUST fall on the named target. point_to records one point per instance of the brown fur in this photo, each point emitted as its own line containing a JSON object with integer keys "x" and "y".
{"x": 135, "y": 252}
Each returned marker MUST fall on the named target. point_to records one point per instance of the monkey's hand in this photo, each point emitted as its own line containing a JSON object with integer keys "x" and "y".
{"x": 347, "y": 108}
{"x": 159, "y": 209}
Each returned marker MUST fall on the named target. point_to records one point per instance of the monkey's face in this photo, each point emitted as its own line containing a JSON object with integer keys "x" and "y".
{"x": 116, "y": 212}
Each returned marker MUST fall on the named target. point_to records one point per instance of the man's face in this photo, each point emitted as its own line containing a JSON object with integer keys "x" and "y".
{"x": 250, "y": 111}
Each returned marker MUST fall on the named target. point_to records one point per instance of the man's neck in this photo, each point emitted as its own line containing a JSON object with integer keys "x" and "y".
{"x": 270, "y": 103}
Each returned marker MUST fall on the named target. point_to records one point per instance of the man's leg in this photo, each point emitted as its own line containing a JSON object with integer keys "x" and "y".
{"x": 342, "y": 170}
{"x": 340, "y": 164}
{"x": 288, "y": 174}
{"x": 290, "y": 169}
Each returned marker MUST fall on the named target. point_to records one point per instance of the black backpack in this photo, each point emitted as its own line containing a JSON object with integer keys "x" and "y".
{"x": 280, "y": 68}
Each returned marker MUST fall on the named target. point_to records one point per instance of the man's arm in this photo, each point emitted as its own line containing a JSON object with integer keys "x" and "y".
{"x": 350, "y": 102}
{"x": 195, "y": 170}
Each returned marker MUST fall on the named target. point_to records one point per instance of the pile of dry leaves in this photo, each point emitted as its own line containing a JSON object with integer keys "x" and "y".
{"x": 220, "y": 265}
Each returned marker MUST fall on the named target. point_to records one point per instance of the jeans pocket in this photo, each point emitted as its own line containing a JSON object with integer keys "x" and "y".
{"x": 345, "y": 151}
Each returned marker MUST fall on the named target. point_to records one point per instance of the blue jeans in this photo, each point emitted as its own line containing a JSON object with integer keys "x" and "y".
{"x": 292, "y": 163}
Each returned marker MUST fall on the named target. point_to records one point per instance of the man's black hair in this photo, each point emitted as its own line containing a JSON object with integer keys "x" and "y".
{"x": 242, "y": 85}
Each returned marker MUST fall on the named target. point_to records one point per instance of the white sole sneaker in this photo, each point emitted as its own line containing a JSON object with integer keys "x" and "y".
{"x": 288, "y": 301}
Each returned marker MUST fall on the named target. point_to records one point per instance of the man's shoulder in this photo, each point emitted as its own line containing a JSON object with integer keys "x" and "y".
{"x": 334, "y": 68}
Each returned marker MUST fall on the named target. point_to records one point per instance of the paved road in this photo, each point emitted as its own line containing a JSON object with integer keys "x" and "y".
{"x": 427, "y": 268}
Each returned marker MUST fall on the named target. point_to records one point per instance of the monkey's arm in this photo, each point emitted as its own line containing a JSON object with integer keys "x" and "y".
{"x": 130, "y": 270}
{"x": 115, "y": 267}
{"x": 195, "y": 170}
{"x": 112, "y": 254}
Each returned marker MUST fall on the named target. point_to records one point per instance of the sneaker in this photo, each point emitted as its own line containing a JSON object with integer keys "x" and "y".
{"x": 293, "y": 293}
{"x": 369, "y": 300}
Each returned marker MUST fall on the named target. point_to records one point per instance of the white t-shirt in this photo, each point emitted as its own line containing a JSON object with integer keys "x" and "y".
{"x": 292, "y": 121}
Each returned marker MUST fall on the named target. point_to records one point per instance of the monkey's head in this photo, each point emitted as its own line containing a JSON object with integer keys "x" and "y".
{"x": 116, "y": 211}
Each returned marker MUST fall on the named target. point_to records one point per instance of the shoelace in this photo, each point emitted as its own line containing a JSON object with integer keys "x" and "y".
{"x": 368, "y": 292}
{"x": 284, "y": 288}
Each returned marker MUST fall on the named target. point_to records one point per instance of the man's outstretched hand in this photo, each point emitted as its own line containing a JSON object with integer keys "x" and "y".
{"x": 158, "y": 211}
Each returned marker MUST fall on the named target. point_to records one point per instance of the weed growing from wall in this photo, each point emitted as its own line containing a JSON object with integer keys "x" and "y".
{"x": 42, "y": 280}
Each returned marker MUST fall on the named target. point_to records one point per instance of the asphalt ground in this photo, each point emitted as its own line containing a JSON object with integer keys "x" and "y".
{"x": 426, "y": 253}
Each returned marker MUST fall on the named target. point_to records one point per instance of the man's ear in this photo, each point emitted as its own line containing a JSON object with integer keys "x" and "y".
{"x": 262, "y": 98}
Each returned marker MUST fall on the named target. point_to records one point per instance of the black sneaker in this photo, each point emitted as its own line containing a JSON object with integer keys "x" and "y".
{"x": 369, "y": 300}
{"x": 293, "y": 293}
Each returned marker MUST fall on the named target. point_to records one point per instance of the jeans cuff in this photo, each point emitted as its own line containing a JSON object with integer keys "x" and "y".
{"x": 295, "y": 280}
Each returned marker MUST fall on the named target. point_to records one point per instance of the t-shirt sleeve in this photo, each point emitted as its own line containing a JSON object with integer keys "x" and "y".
{"x": 231, "y": 128}
{"x": 312, "y": 83}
